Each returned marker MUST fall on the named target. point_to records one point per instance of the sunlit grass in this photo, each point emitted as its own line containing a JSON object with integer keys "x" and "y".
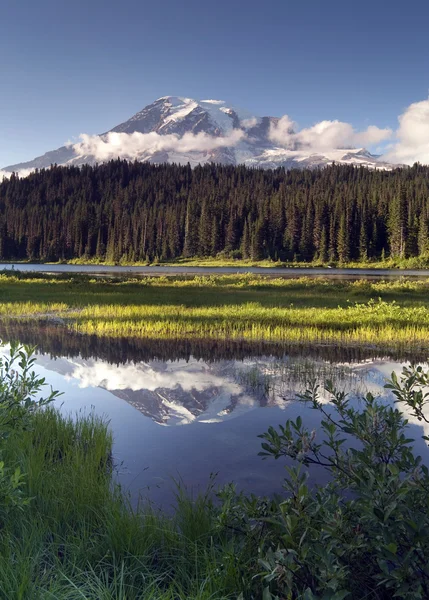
{"x": 382, "y": 314}
{"x": 414, "y": 262}
{"x": 372, "y": 323}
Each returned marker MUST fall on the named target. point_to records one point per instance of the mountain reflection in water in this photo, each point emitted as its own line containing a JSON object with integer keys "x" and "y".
{"x": 221, "y": 394}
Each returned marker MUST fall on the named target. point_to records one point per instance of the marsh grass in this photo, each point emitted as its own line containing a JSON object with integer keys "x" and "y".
{"x": 379, "y": 314}
{"x": 79, "y": 537}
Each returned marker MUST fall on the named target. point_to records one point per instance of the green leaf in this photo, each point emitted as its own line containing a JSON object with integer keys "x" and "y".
{"x": 378, "y": 513}
{"x": 266, "y": 594}
{"x": 392, "y": 547}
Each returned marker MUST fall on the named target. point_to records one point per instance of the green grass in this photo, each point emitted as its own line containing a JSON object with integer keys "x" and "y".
{"x": 79, "y": 538}
{"x": 414, "y": 262}
{"x": 379, "y": 314}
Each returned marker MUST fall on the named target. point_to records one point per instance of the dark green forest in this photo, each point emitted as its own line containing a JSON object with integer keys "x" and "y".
{"x": 141, "y": 212}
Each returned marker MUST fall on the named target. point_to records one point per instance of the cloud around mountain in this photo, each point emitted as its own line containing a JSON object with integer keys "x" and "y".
{"x": 323, "y": 136}
{"x": 133, "y": 146}
{"x": 408, "y": 144}
{"x": 326, "y": 135}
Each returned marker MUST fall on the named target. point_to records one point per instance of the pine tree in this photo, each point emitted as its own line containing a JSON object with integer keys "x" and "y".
{"x": 343, "y": 244}
{"x": 191, "y": 232}
{"x": 423, "y": 237}
{"x": 215, "y": 243}
{"x": 204, "y": 230}
{"x": 332, "y": 241}
{"x": 258, "y": 241}
{"x": 397, "y": 223}
{"x": 363, "y": 242}
{"x": 246, "y": 248}
{"x": 323, "y": 245}
{"x": 231, "y": 234}
{"x": 100, "y": 249}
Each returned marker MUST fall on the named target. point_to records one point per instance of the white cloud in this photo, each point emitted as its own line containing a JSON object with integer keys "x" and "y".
{"x": 282, "y": 132}
{"x": 219, "y": 102}
{"x": 139, "y": 145}
{"x": 412, "y": 143}
{"x": 249, "y": 123}
{"x": 326, "y": 135}
{"x": 20, "y": 173}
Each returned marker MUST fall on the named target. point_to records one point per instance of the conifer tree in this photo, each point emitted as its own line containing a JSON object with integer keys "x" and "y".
{"x": 397, "y": 223}
{"x": 246, "y": 248}
{"x": 343, "y": 245}
{"x": 363, "y": 242}
{"x": 191, "y": 232}
{"x": 423, "y": 237}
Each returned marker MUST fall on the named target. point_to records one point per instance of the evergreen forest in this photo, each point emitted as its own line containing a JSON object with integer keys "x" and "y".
{"x": 132, "y": 212}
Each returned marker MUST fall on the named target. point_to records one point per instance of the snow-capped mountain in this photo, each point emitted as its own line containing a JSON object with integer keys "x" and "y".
{"x": 183, "y": 130}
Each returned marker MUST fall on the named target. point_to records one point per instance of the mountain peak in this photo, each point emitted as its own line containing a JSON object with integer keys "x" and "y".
{"x": 186, "y": 130}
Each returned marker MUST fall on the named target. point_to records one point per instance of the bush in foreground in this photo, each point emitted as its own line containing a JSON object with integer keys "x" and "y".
{"x": 366, "y": 533}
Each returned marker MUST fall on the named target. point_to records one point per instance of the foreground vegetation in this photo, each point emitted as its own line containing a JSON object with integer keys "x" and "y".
{"x": 68, "y": 532}
{"x": 381, "y": 315}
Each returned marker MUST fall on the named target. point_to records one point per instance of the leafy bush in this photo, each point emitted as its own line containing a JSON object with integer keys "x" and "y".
{"x": 366, "y": 533}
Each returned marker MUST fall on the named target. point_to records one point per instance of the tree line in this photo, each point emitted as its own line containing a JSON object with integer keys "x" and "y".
{"x": 122, "y": 211}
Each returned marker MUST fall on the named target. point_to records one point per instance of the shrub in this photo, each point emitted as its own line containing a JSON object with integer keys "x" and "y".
{"x": 366, "y": 533}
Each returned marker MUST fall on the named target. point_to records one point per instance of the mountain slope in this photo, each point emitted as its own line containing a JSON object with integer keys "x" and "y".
{"x": 182, "y": 130}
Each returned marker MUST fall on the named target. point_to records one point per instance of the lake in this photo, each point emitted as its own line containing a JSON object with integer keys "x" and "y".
{"x": 181, "y": 410}
{"x": 154, "y": 271}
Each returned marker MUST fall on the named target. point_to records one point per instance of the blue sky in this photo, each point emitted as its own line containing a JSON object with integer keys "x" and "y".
{"x": 84, "y": 66}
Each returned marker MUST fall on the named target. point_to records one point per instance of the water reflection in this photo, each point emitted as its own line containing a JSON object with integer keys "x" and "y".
{"x": 57, "y": 340}
{"x": 212, "y": 400}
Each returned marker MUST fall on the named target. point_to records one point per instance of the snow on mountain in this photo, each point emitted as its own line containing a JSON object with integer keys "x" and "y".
{"x": 183, "y": 130}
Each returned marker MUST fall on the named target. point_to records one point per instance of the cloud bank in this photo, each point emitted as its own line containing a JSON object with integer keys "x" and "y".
{"x": 326, "y": 135}
{"x": 138, "y": 145}
{"x": 412, "y": 136}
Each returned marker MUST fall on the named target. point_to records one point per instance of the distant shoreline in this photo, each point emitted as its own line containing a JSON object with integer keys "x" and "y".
{"x": 194, "y": 268}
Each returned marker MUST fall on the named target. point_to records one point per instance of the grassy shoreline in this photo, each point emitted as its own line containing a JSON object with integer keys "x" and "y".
{"x": 78, "y": 538}
{"x": 383, "y": 314}
{"x": 417, "y": 262}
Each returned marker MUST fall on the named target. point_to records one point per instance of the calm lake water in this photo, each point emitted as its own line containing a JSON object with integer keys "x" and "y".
{"x": 186, "y": 410}
{"x": 189, "y": 270}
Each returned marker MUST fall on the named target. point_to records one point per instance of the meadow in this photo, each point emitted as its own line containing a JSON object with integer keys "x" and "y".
{"x": 384, "y": 315}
